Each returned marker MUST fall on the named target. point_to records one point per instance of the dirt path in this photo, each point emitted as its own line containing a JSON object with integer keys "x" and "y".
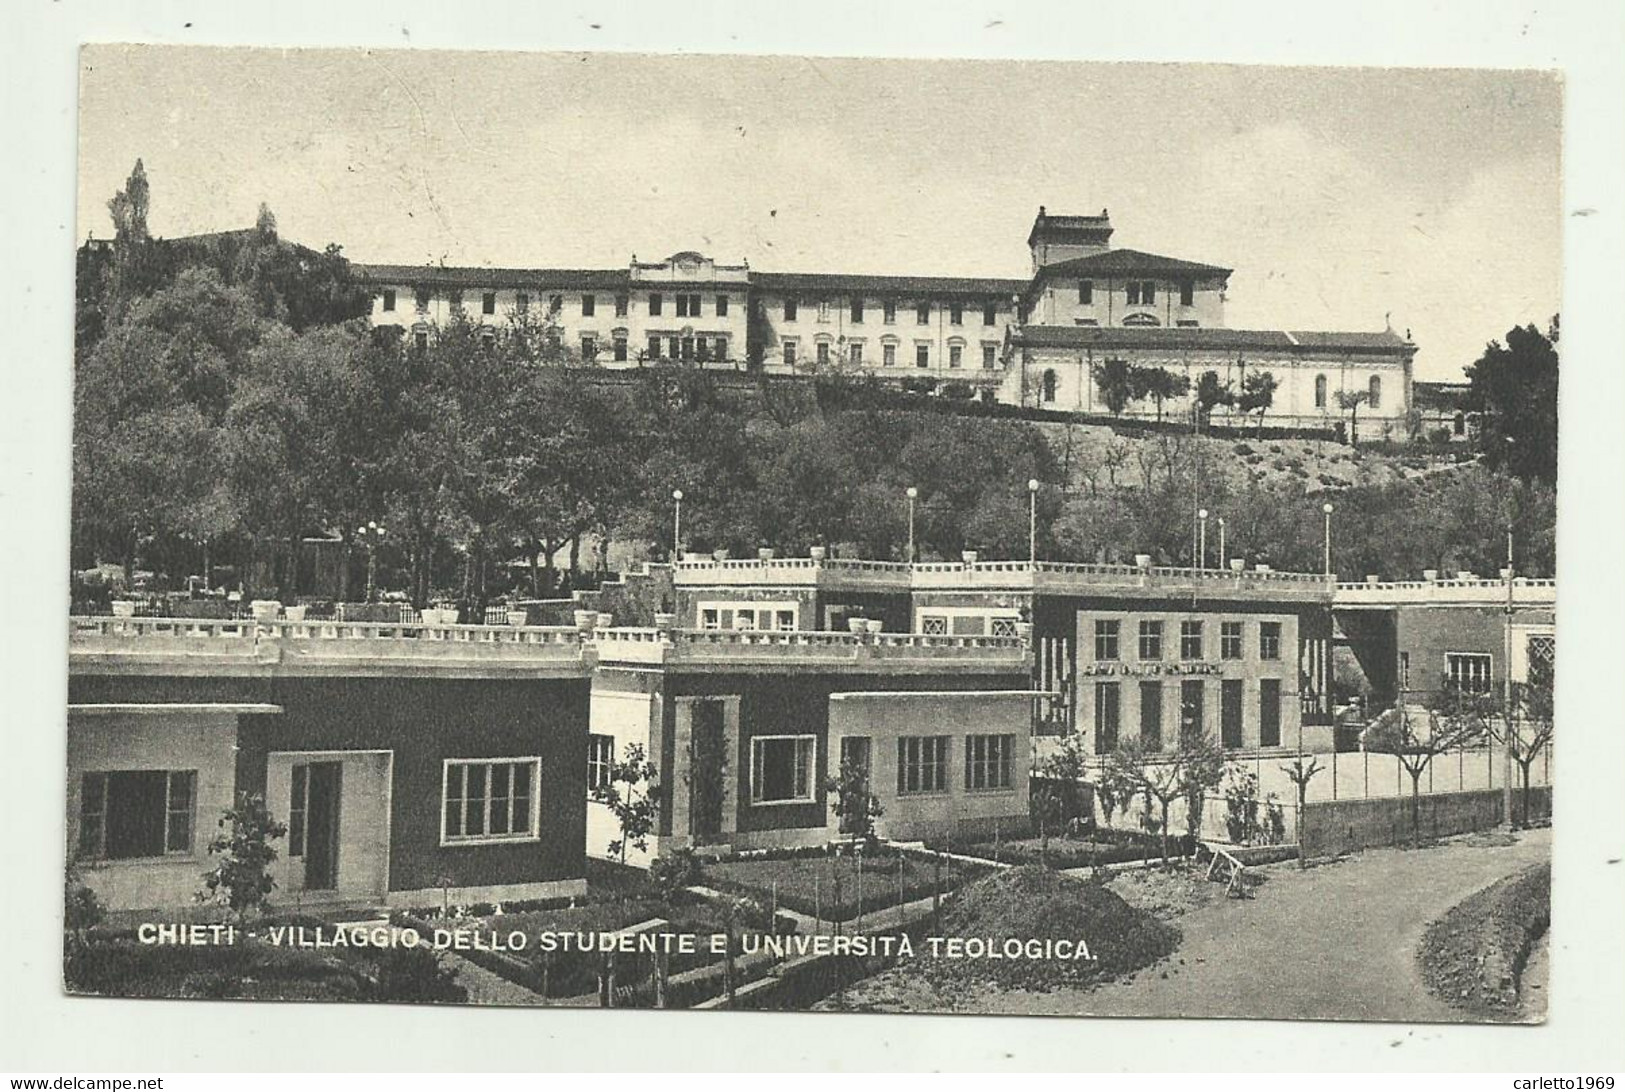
{"x": 1336, "y": 942}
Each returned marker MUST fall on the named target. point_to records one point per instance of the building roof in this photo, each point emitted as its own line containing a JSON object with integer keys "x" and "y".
{"x": 882, "y": 283}
{"x": 1095, "y": 228}
{"x": 1450, "y": 396}
{"x": 457, "y": 276}
{"x": 1125, "y": 260}
{"x": 1184, "y": 337}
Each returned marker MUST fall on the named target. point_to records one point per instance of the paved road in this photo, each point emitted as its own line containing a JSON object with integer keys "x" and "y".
{"x": 1337, "y": 942}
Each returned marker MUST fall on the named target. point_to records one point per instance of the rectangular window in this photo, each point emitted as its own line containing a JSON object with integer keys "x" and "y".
{"x": 1106, "y": 631}
{"x": 1269, "y": 640}
{"x": 1192, "y": 711}
{"x": 1190, "y": 640}
{"x": 654, "y": 348}
{"x": 722, "y": 307}
{"x": 600, "y": 760}
{"x": 1108, "y": 710}
{"x": 922, "y": 313}
{"x": 389, "y": 299}
{"x": 987, "y": 762}
{"x": 1469, "y": 672}
{"x": 682, "y": 305}
{"x": 922, "y": 356}
{"x": 555, "y": 303}
{"x": 956, "y": 356}
{"x": 990, "y": 314}
{"x": 620, "y": 348}
{"x": 823, "y": 310}
{"x": 128, "y": 814}
{"x": 454, "y": 300}
{"x": 781, "y": 769}
{"x": 488, "y": 303}
{"x": 674, "y": 348}
{"x": 622, "y": 304}
{"x": 857, "y": 309}
{"x": 489, "y": 800}
{"x": 1230, "y": 640}
{"x": 589, "y": 306}
{"x": 589, "y": 348}
{"x": 1269, "y": 712}
{"x": 792, "y": 310}
{"x": 521, "y": 302}
{"x": 1086, "y": 293}
{"x": 1150, "y": 640}
{"x": 889, "y": 311}
{"x": 888, "y": 355}
{"x": 856, "y": 353}
{"x": 823, "y": 353}
{"x": 1187, "y": 293}
{"x": 424, "y": 296}
{"x": 990, "y": 356}
{"x": 1132, "y": 291}
{"x": 1151, "y": 715}
{"x": 956, "y": 314}
{"x": 790, "y": 354}
{"x": 688, "y": 348}
{"x": 1230, "y": 713}
{"x": 721, "y": 348}
{"x": 922, "y": 764}
{"x": 296, "y": 809}
{"x": 702, "y": 350}
{"x": 655, "y": 303}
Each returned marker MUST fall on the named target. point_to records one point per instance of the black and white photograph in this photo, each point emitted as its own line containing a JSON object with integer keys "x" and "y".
{"x": 790, "y": 533}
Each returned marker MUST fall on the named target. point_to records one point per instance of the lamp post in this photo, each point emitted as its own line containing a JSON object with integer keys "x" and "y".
{"x": 1032, "y": 522}
{"x": 1201, "y": 538}
{"x": 676, "y": 524}
{"x": 912, "y": 494}
{"x": 371, "y": 536}
{"x": 1222, "y": 555}
{"x": 1506, "y": 694}
{"x": 1327, "y": 509}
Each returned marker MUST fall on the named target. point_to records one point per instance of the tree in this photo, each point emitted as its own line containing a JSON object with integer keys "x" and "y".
{"x": 1257, "y": 394}
{"x": 1202, "y": 767}
{"x": 1453, "y": 719}
{"x": 1212, "y": 392}
{"x": 853, "y": 805}
{"x": 1159, "y": 777}
{"x": 1116, "y": 381}
{"x": 1055, "y": 785}
{"x": 1160, "y": 384}
{"x": 1350, "y": 402}
{"x": 1515, "y": 388}
{"x": 632, "y": 795}
{"x": 1526, "y": 729}
{"x": 242, "y": 879}
{"x": 1301, "y": 773}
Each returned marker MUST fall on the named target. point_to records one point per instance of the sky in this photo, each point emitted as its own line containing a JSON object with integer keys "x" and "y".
{"x": 1343, "y": 198}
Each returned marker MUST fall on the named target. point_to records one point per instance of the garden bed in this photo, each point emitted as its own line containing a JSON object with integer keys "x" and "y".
{"x": 1474, "y": 956}
{"x": 1066, "y": 853}
{"x": 826, "y": 886}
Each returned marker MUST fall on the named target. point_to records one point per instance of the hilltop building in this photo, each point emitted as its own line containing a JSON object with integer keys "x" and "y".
{"x": 1034, "y": 342}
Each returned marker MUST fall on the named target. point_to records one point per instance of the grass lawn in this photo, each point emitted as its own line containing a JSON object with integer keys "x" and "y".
{"x": 827, "y": 887}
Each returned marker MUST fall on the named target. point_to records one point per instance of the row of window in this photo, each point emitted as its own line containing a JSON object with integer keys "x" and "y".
{"x": 1373, "y": 392}
{"x": 1192, "y": 717}
{"x": 888, "y": 354}
{"x": 923, "y": 762}
{"x": 1192, "y": 643}
{"x": 686, "y": 304}
{"x": 857, "y": 309}
{"x": 1140, "y": 293}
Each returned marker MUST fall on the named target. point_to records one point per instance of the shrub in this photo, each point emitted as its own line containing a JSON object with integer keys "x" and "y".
{"x": 1474, "y": 956}
{"x": 416, "y": 974}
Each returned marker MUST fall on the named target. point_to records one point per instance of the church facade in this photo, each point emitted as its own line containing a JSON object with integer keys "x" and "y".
{"x": 1043, "y": 342}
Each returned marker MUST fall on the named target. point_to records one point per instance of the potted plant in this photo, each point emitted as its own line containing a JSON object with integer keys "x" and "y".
{"x": 665, "y": 617}
{"x": 605, "y": 619}
{"x": 123, "y": 608}
{"x": 764, "y": 553}
{"x": 265, "y": 610}
{"x": 1142, "y": 561}
{"x": 968, "y": 556}
{"x": 296, "y": 613}
{"x": 875, "y": 626}
{"x": 1238, "y": 564}
{"x": 449, "y": 615}
{"x": 818, "y": 553}
{"x": 517, "y": 615}
{"x": 857, "y": 625}
{"x": 585, "y": 620}
{"x": 719, "y": 555}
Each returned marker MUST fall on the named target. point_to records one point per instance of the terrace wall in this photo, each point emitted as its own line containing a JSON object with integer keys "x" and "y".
{"x": 1345, "y": 826}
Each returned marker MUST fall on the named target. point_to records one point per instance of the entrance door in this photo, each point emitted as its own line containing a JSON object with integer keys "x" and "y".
{"x": 709, "y": 768}
{"x": 1230, "y": 713}
{"x": 313, "y": 829}
{"x": 855, "y": 756}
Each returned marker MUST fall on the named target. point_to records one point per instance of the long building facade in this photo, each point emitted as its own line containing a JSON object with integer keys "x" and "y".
{"x": 1039, "y": 342}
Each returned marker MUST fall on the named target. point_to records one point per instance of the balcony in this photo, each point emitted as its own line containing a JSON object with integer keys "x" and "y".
{"x": 200, "y": 646}
{"x": 813, "y": 651}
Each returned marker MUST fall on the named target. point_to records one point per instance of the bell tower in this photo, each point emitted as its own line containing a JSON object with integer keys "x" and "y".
{"x": 1058, "y": 238}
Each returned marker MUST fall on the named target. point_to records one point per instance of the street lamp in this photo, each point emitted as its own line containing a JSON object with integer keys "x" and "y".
{"x": 1221, "y": 542}
{"x": 676, "y": 524}
{"x": 1327, "y": 508}
{"x": 371, "y": 536}
{"x": 1201, "y": 538}
{"x": 1032, "y": 522}
{"x": 912, "y": 494}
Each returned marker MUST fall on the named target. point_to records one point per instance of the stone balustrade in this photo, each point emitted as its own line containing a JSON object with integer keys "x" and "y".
{"x": 813, "y": 649}
{"x": 1468, "y": 591}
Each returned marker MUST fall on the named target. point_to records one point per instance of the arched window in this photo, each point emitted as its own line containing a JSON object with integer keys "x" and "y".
{"x": 1049, "y": 384}
{"x": 1375, "y": 387}
{"x": 1320, "y": 392}
{"x": 1140, "y": 318}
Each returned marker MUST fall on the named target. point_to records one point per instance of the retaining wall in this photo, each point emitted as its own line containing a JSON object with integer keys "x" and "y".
{"x": 1343, "y": 826}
